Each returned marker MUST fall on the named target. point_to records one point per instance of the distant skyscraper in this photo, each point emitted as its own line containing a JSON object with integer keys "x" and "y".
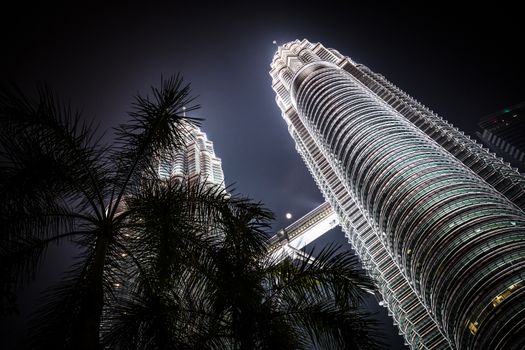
{"x": 437, "y": 220}
{"x": 196, "y": 161}
{"x": 504, "y": 133}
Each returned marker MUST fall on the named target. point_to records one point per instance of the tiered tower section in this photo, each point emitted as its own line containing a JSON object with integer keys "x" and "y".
{"x": 436, "y": 219}
{"x": 196, "y": 161}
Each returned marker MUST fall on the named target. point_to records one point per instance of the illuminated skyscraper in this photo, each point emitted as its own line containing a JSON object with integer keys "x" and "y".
{"x": 504, "y": 134}
{"x": 437, "y": 220}
{"x": 196, "y": 161}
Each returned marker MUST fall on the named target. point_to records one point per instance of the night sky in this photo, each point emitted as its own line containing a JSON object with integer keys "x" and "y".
{"x": 462, "y": 63}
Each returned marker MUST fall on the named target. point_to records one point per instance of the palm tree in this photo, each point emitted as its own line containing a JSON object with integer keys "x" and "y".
{"x": 59, "y": 183}
{"x": 276, "y": 303}
{"x": 162, "y": 264}
{"x": 227, "y": 291}
{"x": 164, "y": 302}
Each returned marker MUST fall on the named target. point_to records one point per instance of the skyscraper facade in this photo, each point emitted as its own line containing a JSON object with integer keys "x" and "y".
{"x": 437, "y": 220}
{"x": 504, "y": 133}
{"x": 195, "y": 161}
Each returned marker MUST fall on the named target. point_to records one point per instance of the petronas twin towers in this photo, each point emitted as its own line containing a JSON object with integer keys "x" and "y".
{"x": 437, "y": 220}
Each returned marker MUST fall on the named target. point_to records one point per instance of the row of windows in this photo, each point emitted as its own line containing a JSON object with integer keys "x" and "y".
{"x": 448, "y": 136}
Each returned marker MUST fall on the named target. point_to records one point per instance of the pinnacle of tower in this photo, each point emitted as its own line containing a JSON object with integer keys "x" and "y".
{"x": 195, "y": 161}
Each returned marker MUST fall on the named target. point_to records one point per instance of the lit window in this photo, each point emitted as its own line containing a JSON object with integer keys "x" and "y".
{"x": 473, "y": 327}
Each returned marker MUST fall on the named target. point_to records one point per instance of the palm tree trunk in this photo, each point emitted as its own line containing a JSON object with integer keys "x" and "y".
{"x": 87, "y": 331}
{"x": 244, "y": 328}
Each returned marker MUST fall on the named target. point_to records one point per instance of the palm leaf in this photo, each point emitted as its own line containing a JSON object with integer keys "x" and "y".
{"x": 157, "y": 128}
{"x": 54, "y": 324}
{"x": 49, "y": 170}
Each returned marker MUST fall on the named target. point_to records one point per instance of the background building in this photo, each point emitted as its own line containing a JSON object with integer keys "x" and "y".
{"x": 436, "y": 219}
{"x": 196, "y": 161}
{"x": 504, "y": 133}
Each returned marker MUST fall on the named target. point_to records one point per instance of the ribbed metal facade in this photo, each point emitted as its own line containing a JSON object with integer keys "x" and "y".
{"x": 437, "y": 220}
{"x": 196, "y": 161}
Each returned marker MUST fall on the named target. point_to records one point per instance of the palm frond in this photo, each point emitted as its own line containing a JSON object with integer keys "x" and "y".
{"x": 24, "y": 243}
{"x": 54, "y": 324}
{"x": 157, "y": 128}
{"x": 48, "y": 148}
{"x": 53, "y": 178}
{"x": 246, "y": 225}
{"x": 331, "y": 273}
{"x": 160, "y": 319}
{"x": 331, "y": 327}
{"x": 169, "y": 223}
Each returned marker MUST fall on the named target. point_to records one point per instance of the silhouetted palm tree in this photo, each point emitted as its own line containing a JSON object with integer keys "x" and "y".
{"x": 276, "y": 303}
{"x": 227, "y": 291}
{"x": 59, "y": 183}
{"x": 162, "y": 264}
{"x": 163, "y": 304}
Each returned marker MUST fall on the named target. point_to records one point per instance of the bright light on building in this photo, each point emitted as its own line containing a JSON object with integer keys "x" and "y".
{"x": 196, "y": 161}
{"x": 437, "y": 220}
